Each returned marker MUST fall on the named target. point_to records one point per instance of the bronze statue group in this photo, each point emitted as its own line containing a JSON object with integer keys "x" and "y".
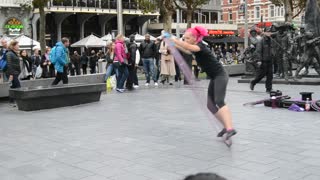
{"x": 273, "y": 52}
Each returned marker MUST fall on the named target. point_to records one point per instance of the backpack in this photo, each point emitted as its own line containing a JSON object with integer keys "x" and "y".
{"x": 3, "y": 62}
{"x": 52, "y": 55}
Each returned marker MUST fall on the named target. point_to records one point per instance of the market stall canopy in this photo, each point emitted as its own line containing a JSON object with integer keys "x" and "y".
{"x": 25, "y": 41}
{"x": 91, "y": 41}
{"x": 8, "y": 39}
{"x": 229, "y": 39}
{"x": 107, "y": 37}
{"x": 139, "y": 37}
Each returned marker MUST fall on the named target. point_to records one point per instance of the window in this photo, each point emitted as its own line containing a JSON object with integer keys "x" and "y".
{"x": 257, "y": 12}
{"x": 230, "y": 15}
{"x": 271, "y": 11}
{"x": 281, "y": 11}
{"x": 230, "y": 1}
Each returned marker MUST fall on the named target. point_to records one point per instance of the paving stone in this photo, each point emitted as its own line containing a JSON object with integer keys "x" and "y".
{"x": 160, "y": 133}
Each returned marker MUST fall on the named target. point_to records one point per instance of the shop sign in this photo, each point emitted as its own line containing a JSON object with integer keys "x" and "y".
{"x": 13, "y": 23}
{"x": 220, "y": 32}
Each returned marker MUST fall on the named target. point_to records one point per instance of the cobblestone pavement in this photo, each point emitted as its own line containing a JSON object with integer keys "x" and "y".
{"x": 160, "y": 134}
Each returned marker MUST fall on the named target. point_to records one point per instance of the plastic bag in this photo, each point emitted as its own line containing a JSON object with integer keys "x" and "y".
{"x": 38, "y": 72}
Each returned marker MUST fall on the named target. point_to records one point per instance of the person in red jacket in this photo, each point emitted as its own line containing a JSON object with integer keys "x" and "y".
{"x": 119, "y": 63}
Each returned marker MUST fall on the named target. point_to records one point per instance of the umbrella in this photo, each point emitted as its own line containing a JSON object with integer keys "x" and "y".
{"x": 90, "y": 42}
{"x": 107, "y": 37}
{"x": 26, "y": 41}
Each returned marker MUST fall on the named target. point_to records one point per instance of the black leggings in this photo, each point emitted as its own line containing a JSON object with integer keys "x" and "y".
{"x": 217, "y": 92}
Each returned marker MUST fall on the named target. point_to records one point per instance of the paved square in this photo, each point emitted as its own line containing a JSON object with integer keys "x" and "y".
{"x": 160, "y": 134}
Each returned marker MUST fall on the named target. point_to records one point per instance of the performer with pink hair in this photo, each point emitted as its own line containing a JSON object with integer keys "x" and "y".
{"x": 218, "y": 76}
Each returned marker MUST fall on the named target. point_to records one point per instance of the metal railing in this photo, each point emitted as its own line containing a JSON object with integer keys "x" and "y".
{"x": 99, "y": 4}
{"x": 13, "y": 3}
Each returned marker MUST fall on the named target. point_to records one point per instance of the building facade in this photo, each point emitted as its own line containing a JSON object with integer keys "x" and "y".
{"x": 74, "y": 18}
{"x": 257, "y": 11}
{"x": 208, "y": 15}
{"x": 14, "y": 18}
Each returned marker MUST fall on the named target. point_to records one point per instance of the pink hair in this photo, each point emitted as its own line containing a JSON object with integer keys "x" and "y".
{"x": 198, "y": 32}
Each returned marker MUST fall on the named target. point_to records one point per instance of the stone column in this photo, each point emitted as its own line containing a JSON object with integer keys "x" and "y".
{"x": 59, "y": 19}
{"x": 34, "y": 22}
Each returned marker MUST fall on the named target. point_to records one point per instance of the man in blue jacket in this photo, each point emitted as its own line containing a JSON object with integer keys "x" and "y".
{"x": 62, "y": 60}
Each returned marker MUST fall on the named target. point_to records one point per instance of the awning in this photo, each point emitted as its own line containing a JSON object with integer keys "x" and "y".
{"x": 229, "y": 39}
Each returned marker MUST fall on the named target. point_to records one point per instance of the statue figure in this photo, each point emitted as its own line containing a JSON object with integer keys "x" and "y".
{"x": 250, "y": 54}
{"x": 311, "y": 53}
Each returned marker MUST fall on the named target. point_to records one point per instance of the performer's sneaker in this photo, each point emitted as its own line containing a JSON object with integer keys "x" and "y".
{"x": 221, "y": 133}
{"x": 231, "y": 133}
{"x": 251, "y": 86}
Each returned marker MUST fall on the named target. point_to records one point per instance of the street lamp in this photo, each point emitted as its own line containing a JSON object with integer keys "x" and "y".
{"x": 245, "y": 24}
{"x": 205, "y": 17}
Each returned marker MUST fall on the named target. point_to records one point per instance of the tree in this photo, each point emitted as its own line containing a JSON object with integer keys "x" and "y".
{"x": 290, "y": 6}
{"x": 191, "y": 6}
{"x": 167, "y": 9}
{"x": 41, "y": 4}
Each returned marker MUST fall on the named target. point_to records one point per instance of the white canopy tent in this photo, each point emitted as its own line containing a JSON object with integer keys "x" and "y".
{"x": 91, "y": 41}
{"x": 139, "y": 37}
{"x": 25, "y": 41}
{"x": 107, "y": 37}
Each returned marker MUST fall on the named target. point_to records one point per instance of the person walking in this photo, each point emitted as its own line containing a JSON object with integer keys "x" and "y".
{"x": 25, "y": 66}
{"x": 148, "y": 51}
{"x": 265, "y": 62}
{"x": 84, "y": 62}
{"x": 93, "y": 62}
{"x": 61, "y": 61}
{"x": 168, "y": 70}
{"x": 13, "y": 67}
{"x": 119, "y": 63}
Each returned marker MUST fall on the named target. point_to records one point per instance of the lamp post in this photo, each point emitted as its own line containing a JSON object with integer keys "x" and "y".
{"x": 245, "y": 24}
{"x": 177, "y": 24}
{"x": 120, "y": 17}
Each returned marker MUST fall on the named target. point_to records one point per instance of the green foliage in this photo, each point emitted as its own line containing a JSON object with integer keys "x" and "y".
{"x": 193, "y": 4}
{"x": 146, "y": 6}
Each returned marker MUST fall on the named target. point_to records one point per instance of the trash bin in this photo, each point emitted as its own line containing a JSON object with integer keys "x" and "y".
{"x": 102, "y": 63}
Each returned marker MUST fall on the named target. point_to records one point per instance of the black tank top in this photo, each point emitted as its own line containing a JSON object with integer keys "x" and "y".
{"x": 208, "y": 62}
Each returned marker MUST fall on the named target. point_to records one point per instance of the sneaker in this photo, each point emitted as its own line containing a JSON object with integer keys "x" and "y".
{"x": 251, "y": 86}
{"x": 221, "y": 133}
{"x": 13, "y": 105}
{"x": 156, "y": 84}
{"x": 147, "y": 84}
{"x": 231, "y": 133}
{"x": 136, "y": 86}
{"x": 170, "y": 84}
{"x": 120, "y": 90}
